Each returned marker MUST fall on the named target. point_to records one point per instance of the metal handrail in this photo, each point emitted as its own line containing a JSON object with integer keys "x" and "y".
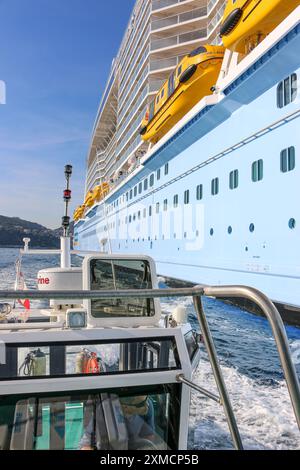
{"x": 267, "y": 307}
{"x": 279, "y": 333}
{"x": 105, "y": 294}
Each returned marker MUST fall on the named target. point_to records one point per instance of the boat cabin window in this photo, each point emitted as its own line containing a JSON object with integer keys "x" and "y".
{"x": 117, "y": 275}
{"x": 90, "y": 358}
{"x": 199, "y": 50}
{"x": 132, "y": 418}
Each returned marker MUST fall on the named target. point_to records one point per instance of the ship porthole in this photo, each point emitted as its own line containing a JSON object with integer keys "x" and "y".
{"x": 229, "y": 230}
{"x": 211, "y": 232}
{"x": 251, "y": 228}
{"x": 292, "y": 223}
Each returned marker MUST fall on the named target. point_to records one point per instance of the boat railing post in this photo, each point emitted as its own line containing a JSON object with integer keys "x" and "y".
{"x": 212, "y": 354}
{"x": 279, "y": 333}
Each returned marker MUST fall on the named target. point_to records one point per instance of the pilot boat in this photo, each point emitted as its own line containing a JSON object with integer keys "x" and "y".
{"x": 102, "y": 367}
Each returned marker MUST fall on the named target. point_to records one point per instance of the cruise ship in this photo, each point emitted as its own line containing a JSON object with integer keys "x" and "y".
{"x": 214, "y": 200}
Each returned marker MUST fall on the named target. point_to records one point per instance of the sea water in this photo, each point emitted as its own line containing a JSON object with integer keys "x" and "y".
{"x": 250, "y": 366}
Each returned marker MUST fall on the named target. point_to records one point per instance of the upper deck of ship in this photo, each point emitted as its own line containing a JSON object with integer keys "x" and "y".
{"x": 159, "y": 34}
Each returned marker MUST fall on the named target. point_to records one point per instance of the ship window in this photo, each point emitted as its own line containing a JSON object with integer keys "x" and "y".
{"x": 133, "y": 217}
{"x": 144, "y": 213}
{"x": 165, "y": 204}
{"x": 211, "y": 232}
{"x": 287, "y": 91}
{"x": 292, "y": 224}
{"x": 140, "y": 188}
{"x": 179, "y": 70}
{"x": 287, "y": 159}
{"x": 139, "y": 215}
{"x": 130, "y": 194}
{"x": 215, "y": 186}
{"x": 158, "y": 175}
{"x": 166, "y": 168}
{"x": 135, "y": 191}
{"x": 146, "y": 184}
{"x": 229, "y": 230}
{"x": 157, "y": 207}
{"x": 162, "y": 93}
{"x": 186, "y": 196}
{"x": 257, "y": 170}
{"x": 234, "y": 179}
{"x": 199, "y": 192}
{"x": 175, "y": 200}
{"x": 130, "y": 219}
{"x": 151, "y": 180}
{"x": 251, "y": 228}
{"x": 150, "y": 211}
{"x": 199, "y": 50}
{"x": 157, "y": 99}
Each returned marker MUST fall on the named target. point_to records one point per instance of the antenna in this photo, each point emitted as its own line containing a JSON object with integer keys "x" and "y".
{"x": 65, "y": 245}
{"x": 67, "y": 199}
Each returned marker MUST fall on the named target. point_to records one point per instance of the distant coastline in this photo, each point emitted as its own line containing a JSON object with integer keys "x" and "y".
{"x": 13, "y": 230}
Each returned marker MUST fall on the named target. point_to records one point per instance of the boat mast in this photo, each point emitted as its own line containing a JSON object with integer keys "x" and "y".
{"x": 65, "y": 241}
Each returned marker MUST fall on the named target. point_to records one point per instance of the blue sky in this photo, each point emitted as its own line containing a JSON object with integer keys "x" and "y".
{"x": 55, "y": 56}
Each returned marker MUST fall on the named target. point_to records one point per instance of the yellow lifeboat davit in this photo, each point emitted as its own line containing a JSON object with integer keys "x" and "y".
{"x": 192, "y": 79}
{"x": 78, "y": 213}
{"x": 89, "y": 200}
{"x": 100, "y": 191}
{"x": 247, "y": 22}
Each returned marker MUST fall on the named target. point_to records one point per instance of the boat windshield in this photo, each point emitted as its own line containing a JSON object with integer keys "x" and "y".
{"x": 121, "y": 419}
{"x": 118, "y": 275}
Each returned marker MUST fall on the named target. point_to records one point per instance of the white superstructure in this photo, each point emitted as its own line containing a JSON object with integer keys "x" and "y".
{"x": 159, "y": 34}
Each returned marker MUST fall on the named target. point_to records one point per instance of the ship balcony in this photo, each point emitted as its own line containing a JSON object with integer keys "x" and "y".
{"x": 179, "y": 44}
{"x": 216, "y": 19}
{"x": 180, "y": 22}
{"x": 132, "y": 109}
{"x": 133, "y": 129}
{"x": 163, "y": 7}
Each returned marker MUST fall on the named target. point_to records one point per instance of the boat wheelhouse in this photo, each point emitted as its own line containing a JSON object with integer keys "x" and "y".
{"x": 103, "y": 368}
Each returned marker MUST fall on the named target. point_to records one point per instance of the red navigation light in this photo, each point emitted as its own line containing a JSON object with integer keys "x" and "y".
{"x": 67, "y": 194}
